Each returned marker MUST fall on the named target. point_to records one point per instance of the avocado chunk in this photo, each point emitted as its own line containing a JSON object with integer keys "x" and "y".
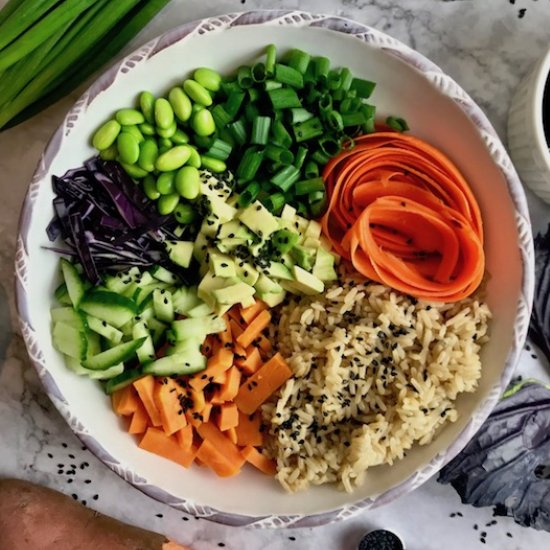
{"x": 247, "y": 273}
{"x": 221, "y": 264}
{"x": 284, "y": 240}
{"x": 220, "y": 210}
{"x": 324, "y": 266}
{"x": 265, "y": 285}
{"x": 259, "y": 220}
{"x": 306, "y": 282}
{"x": 234, "y": 229}
{"x": 278, "y": 270}
{"x": 313, "y": 229}
{"x": 304, "y": 257}
{"x": 273, "y": 299}
{"x": 228, "y": 245}
{"x": 210, "y": 226}
{"x": 207, "y": 286}
{"x": 180, "y": 252}
{"x": 288, "y": 213}
{"x": 200, "y": 246}
{"x": 233, "y": 294}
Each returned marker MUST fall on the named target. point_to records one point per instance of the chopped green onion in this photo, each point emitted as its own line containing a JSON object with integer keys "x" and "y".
{"x": 249, "y": 194}
{"x": 286, "y": 177}
{"x": 298, "y": 60}
{"x": 260, "y": 130}
{"x": 321, "y": 67}
{"x": 364, "y": 88}
{"x": 320, "y": 157}
{"x": 304, "y": 187}
{"x": 302, "y": 209}
{"x": 351, "y": 105}
{"x": 353, "y": 118}
{"x": 301, "y": 155}
{"x": 275, "y": 202}
{"x": 228, "y": 86}
{"x": 330, "y": 146}
{"x": 346, "y": 78}
{"x": 244, "y": 77}
{"x": 299, "y": 114}
{"x": 219, "y": 150}
{"x": 249, "y": 164}
{"x": 234, "y": 101}
{"x": 369, "y": 127}
{"x": 313, "y": 96}
{"x": 289, "y": 76}
{"x": 334, "y": 119}
{"x": 221, "y": 116}
{"x": 307, "y": 130}
{"x": 317, "y": 204}
{"x": 258, "y": 72}
{"x": 315, "y": 196}
{"x": 253, "y": 94}
{"x": 270, "y": 59}
{"x": 238, "y": 131}
{"x": 397, "y": 123}
{"x": 251, "y": 112}
{"x": 278, "y": 154}
{"x": 334, "y": 80}
{"x": 284, "y": 98}
{"x": 311, "y": 169}
{"x": 272, "y": 85}
{"x": 280, "y": 134}
{"x": 325, "y": 103}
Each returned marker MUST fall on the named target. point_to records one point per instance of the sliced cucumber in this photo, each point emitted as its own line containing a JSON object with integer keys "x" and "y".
{"x": 122, "y": 380}
{"x": 104, "y": 329}
{"x": 176, "y": 364}
{"x": 69, "y": 316}
{"x": 157, "y": 329}
{"x": 111, "y": 372}
{"x": 113, "y": 356}
{"x": 75, "y": 285}
{"x": 185, "y": 299}
{"x": 109, "y": 307}
{"x": 198, "y": 328}
{"x": 180, "y": 252}
{"x": 146, "y": 352}
{"x": 202, "y": 310}
{"x": 162, "y": 303}
{"x": 162, "y": 274}
{"x": 70, "y": 340}
{"x": 62, "y": 296}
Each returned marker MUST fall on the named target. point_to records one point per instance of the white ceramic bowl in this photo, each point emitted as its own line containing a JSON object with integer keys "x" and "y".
{"x": 526, "y": 140}
{"x": 437, "y": 110}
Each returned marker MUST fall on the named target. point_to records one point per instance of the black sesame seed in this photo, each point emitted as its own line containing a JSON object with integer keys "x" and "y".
{"x": 291, "y": 538}
{"x": 75, "y": 496}
{"x": 95, "y": 497}
{"x": 509, "y": 535}
{"x": 159, "y": 515}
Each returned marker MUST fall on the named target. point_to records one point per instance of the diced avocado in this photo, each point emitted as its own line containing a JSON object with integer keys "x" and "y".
{"x": 227, "y": 245}
{"x": 211, "y": 186}
{"x": 301, "y": 224}
{"x": 162, "y": 302}
{"x": 247, "y": 273}
{"x": 310, "y": 242}
{"x": 324, "y": 266}
{"x": 208, "y": 284}
{"x": 288, "y": 213}
{"x": 278, "y": 270}
{"x": 304, "y": 257}
{"x": 256, "y": 248}
{"x": 199, "y": 247}
{"x": 222, "y": 211}
{"x": 200, "y": 311}
{"x": 248, "y": 302}
{"x": 265, "y": 285}
{"x": 234, "y": 229}
{"x": 210, "y": 226}
{"x": 222, "y": 265}
{"x": 273, "y": 299}
{"x": 284, "y": 240}
{"x": 180, "y": 252}
{"x": 233, "y": 294}
{"x": 306, "y": 282}
{"x": 287, "y": 260}
{"x": 313, "y": 229}
{"x": 259, "y": 220}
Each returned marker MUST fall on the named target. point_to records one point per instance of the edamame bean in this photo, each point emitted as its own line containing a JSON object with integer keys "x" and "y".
{"x": 167, "y": 132}
{"x": 197, "y": 92}
{"x": 148, "y": 154}
{"x": 196, "y": 108}
{"x": 214, "y": 165}
{"x": 128, "y": 148}
{"x": 165, "y": 183}
{"x": 187, "y": 182}
{"x": 174, "y": 158}
{"x": 150, "y": 187}
{"x": 180, "y": 102}
{"x": 106, "y": 135}
{"x": 147, "y": 106}
{"x": 110, "y": 153}
{"x": 203, "y": 123}
{"x": 164, "y": 115}
{"x": 147, "y": 129}
{"x": 128, "y": 117}
{"x": 208, "y": 79}
{"x": 180, "y": 137}
{"x": 133, "y": 171}
{"x": 195, "y": 158}
{"x": 184, "y": 213}
{"x": 134, "y": 130}
{"x": 165, "y": 142}
{"x": 168, "y": 203}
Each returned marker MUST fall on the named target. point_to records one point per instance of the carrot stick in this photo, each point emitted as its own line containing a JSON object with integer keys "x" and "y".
{"x": 260, "y": 461}
{"x": 254, "y": 329}
{"x": 145, "y": 388}
{"x": 156, "y": 441}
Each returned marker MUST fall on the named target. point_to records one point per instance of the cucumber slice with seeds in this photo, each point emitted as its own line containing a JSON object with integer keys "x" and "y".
{"x": 75, "y": 285}
{"x": 113, "y": 356}
{"x": 109, "y": 307}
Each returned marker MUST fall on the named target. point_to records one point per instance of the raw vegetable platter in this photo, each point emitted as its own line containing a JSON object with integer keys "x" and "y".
{"x": 407, "y": 85}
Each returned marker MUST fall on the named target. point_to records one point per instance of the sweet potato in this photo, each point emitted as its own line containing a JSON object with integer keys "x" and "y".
{"x": 39, "y": 518}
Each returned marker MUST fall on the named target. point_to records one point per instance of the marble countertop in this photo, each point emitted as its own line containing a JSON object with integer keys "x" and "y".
{"x": 487, "y": 46}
